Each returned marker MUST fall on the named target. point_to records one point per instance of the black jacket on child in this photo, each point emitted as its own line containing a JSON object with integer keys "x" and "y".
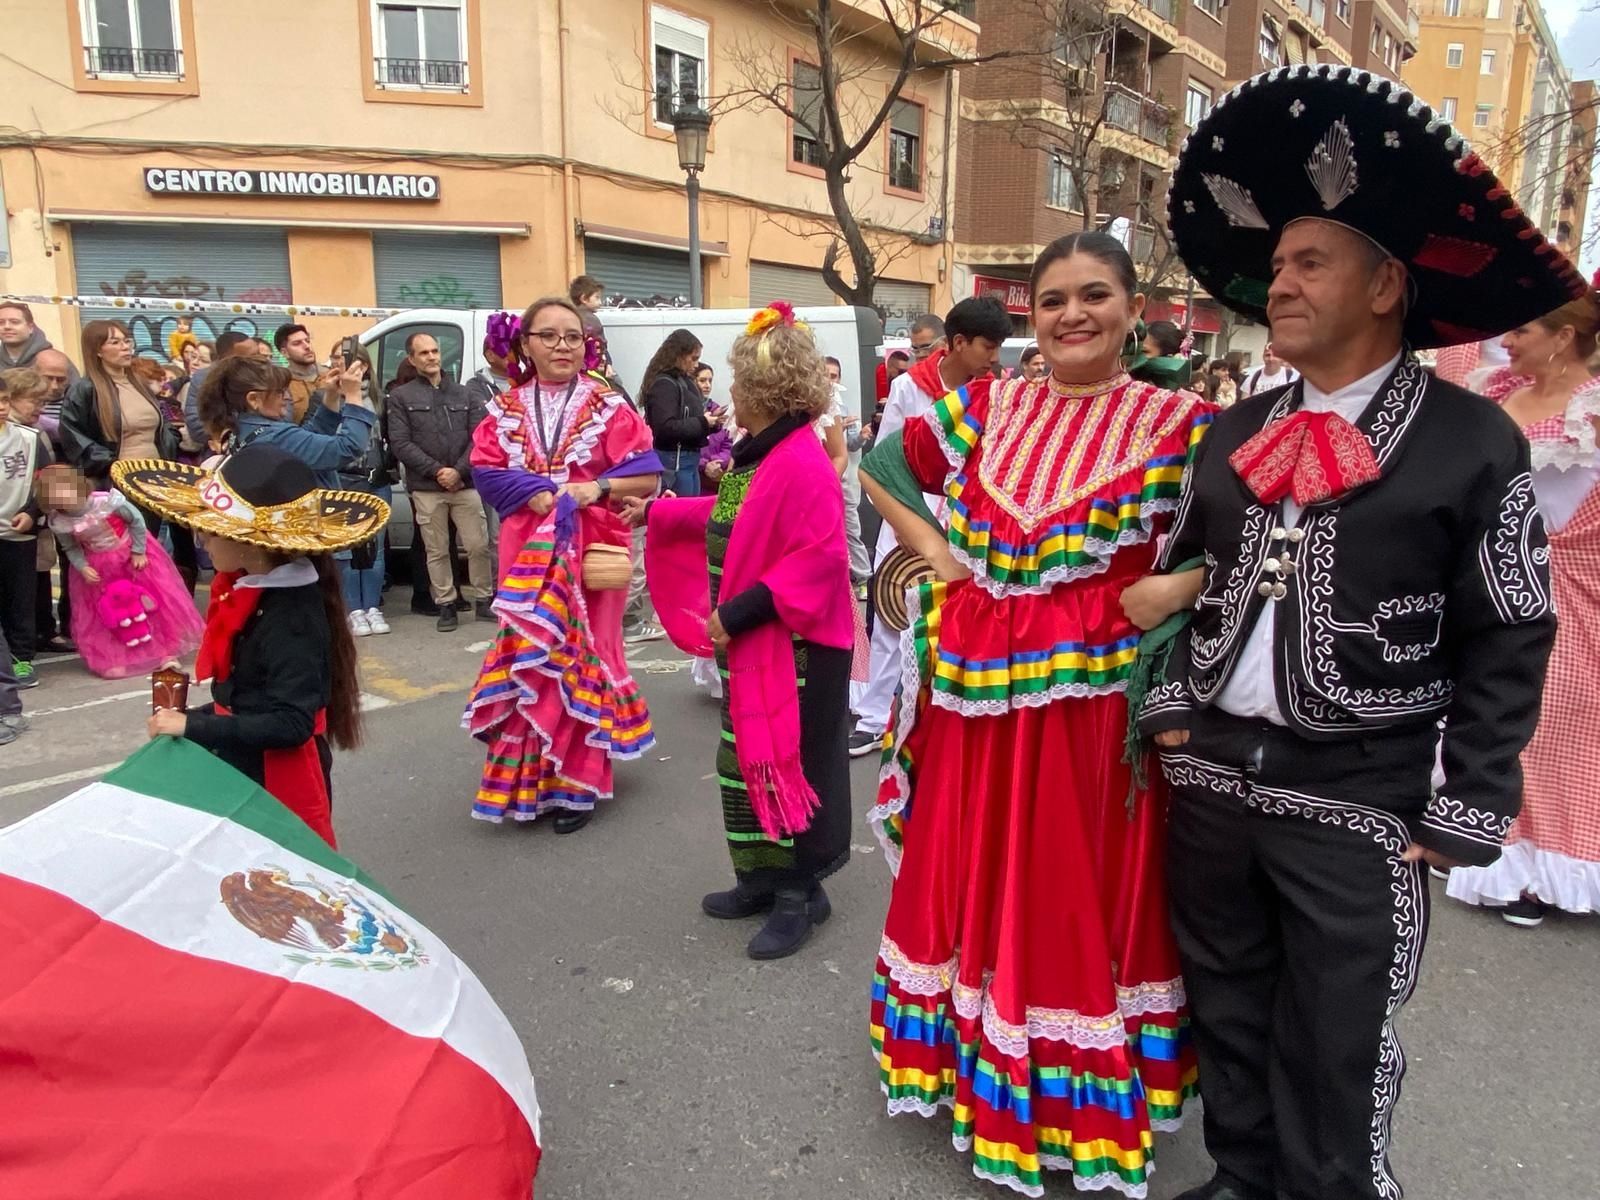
{"x": 282, "y": 668}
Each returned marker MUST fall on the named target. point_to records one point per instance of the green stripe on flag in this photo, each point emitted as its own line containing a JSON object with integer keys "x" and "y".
{"x": 181, "y": 772}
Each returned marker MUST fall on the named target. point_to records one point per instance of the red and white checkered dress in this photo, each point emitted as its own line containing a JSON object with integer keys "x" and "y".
{"x": 1553, "y": 849}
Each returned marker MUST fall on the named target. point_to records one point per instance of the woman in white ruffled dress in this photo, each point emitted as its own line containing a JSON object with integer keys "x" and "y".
{"x": 1552, "y": 853}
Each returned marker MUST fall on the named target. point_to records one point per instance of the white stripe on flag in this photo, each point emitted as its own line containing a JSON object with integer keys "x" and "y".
{"x": 156, "y": 868}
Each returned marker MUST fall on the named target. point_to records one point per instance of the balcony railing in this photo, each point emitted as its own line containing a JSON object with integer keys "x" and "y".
{"x": 1133, "y": 113}
{"x": 133, "y": 60}
{"x": 421, "y": 73}
{"x": 1123, "y": 111}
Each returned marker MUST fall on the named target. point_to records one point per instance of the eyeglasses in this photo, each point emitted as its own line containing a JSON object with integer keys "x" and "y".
{"x": 118, "y": 340}
{"x": 923, "y": 350}
{"x": 551, "y": 338}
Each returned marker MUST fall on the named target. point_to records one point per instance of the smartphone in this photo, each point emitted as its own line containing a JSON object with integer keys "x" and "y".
{"x": 348, "y": 349}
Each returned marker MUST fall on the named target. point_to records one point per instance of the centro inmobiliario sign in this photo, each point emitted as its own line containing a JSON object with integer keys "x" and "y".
{"x": 350, "y": 185}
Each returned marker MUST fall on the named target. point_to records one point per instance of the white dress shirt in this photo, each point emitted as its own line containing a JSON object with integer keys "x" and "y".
{"x": 907, "y": 402}
{"x": 1251, "y": 690}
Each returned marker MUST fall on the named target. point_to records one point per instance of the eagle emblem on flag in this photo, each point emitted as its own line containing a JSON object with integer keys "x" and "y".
{"x": 332, "y": 925}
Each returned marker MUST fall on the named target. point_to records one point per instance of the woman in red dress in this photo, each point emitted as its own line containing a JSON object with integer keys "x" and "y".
{"x": 1027, "y": 977}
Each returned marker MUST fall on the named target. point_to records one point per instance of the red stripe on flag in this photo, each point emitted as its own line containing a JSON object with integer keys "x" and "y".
{"x": 130, "y": 1069}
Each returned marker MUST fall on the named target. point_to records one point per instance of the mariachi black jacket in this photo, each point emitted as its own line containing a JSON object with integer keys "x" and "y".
{"x": 1422, "y": 596}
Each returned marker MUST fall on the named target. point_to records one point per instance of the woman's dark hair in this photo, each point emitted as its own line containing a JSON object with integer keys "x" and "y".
{"x": 403, "y": 374}
{"x": 703, "y": 367}
{"x": 222, "y": 396}
{"x": 1096, "y": 245}
{"x": 344, "y": 693}
{"x": 678, "y": 343}
{"x": 1167, "y": 337}
{"x": 108, "y": 408}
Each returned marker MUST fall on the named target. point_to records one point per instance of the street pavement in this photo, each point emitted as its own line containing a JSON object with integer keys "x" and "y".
{"x": 671, "y": 1067}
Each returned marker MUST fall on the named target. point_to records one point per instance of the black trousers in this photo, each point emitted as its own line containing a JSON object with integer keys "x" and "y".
{"x": 17, "y": 585}
{"x": 1300, "y": 931}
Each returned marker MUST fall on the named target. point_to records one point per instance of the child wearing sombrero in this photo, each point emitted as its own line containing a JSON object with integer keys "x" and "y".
{"x": 277, "y": 646}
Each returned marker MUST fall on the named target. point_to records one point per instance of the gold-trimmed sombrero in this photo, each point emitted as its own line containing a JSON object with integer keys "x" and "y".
{"x": 899, "y": 570}
{"x": 260, "y": 495}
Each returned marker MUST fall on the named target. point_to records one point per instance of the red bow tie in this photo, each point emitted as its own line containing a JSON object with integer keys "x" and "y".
{"x": 1314, "y": 456}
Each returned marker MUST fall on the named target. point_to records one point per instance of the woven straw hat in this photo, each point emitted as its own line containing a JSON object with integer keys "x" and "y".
{"x": 260, "y": 495}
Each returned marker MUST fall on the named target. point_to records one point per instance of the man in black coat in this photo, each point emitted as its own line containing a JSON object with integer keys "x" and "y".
{"x": 1375, "y": 566}
{"x": 431, "y": 422}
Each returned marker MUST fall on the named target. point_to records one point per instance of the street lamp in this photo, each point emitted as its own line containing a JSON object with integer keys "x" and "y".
{"x": 691, "y": 125}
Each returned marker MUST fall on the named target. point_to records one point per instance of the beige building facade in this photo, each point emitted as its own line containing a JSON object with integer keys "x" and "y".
{"x": 472, "y": 153}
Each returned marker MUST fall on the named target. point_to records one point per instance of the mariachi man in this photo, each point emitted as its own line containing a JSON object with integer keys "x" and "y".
{"x": 1375, "y": 565}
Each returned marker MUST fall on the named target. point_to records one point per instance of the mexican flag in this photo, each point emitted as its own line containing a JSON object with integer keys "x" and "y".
{"x": 199, "y": 999}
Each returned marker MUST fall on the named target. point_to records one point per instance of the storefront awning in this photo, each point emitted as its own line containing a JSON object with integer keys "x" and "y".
{"x": 636, "y": 237}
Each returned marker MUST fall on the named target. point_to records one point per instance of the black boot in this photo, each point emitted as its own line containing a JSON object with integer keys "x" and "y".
{"x": 570, "y": 820}
{"x": 794, "y": 912}
{"x": 1223, "y": 1186}
{"x": 735, "y": 903}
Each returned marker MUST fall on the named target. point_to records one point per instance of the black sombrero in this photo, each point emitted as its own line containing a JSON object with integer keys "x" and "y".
{"x": 1355, "y": 148}
{"x": 260, "y": 495}
{"x": 899, "y": 570}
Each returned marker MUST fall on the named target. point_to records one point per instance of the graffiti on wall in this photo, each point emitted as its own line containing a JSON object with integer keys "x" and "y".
{"x": 439, "y": 291}
{"x": 151, "y": 330}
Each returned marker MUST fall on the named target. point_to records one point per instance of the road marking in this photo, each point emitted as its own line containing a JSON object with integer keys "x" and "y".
{"x": 143, "y": 693}
{"x": 78, "y": 776}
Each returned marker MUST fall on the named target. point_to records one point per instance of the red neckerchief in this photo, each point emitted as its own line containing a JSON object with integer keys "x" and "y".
{"x": 226, "y": 615}
{"x": 1314, "y": 456}
{"x": 925, "y": 375}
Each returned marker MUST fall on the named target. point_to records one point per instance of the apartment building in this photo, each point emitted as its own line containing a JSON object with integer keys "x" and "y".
{"x": 455, "y": 152}
{"x": 1082, "y": 137}
{"x": 1493, "y": 69}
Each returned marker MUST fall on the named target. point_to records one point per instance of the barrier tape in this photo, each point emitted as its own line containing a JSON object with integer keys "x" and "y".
{"x": 235, "y": 308}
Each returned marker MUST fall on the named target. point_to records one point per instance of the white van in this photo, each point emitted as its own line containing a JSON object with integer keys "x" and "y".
{"x": 852, "y": 335}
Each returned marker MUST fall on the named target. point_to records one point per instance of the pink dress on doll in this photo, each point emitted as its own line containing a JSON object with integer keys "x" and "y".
{"x": 105, "y": 536}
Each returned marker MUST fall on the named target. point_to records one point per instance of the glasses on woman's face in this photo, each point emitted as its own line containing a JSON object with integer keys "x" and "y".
{"x": 116, "y": 339}
{"x": 551, "y": 338}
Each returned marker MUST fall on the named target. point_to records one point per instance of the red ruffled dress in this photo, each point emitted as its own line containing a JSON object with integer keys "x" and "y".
{"x": 1027, "y": 977}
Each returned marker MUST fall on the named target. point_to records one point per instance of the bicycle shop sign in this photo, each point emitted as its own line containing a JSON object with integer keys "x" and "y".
{"x": 339, "y": 185}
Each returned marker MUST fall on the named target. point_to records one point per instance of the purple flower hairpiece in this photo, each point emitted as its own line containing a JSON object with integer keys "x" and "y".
{"x": 504, "y": 331}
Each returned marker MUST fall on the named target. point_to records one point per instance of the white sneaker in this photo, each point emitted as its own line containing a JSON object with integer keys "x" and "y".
{"x": 358, "y": 625}
{"x": 647, "y": 632}
{"x": 375, "y": 621}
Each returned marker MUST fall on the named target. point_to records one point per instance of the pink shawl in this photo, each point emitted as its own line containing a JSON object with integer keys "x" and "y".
{"x": 789, "y": 535}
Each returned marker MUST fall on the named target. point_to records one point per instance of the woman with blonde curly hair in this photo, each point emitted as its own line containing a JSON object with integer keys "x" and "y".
{"x": 760, "y": 574}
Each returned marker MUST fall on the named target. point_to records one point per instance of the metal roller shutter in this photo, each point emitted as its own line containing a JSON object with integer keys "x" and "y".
{"x": 642, "y": 273}
{"x": 187, "y": 262}
{"x": 902, "y": 303}
{"x": 437, "y": 270}
{"x": 798, "y": 285}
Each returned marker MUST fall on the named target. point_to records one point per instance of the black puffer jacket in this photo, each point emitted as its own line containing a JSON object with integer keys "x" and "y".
{"x": 676, "y": 412}
{"x": 89, "y": 447}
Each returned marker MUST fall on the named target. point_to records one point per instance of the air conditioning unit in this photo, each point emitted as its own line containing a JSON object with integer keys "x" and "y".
{"x": 1077, "y": 80}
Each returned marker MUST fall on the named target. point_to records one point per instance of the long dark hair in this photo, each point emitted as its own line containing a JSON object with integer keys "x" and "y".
{"x": 344, "y": 696}
{"x": 95, "y": 335}
{"x": 678, "y": 343}
{"x": 1095, "y": 244}
{"x": 222, "y": 399}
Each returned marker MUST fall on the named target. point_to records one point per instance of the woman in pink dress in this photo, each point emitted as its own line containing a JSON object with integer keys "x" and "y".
{"x": 1552, "y": 853}
{"x": 554, "y": 701}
